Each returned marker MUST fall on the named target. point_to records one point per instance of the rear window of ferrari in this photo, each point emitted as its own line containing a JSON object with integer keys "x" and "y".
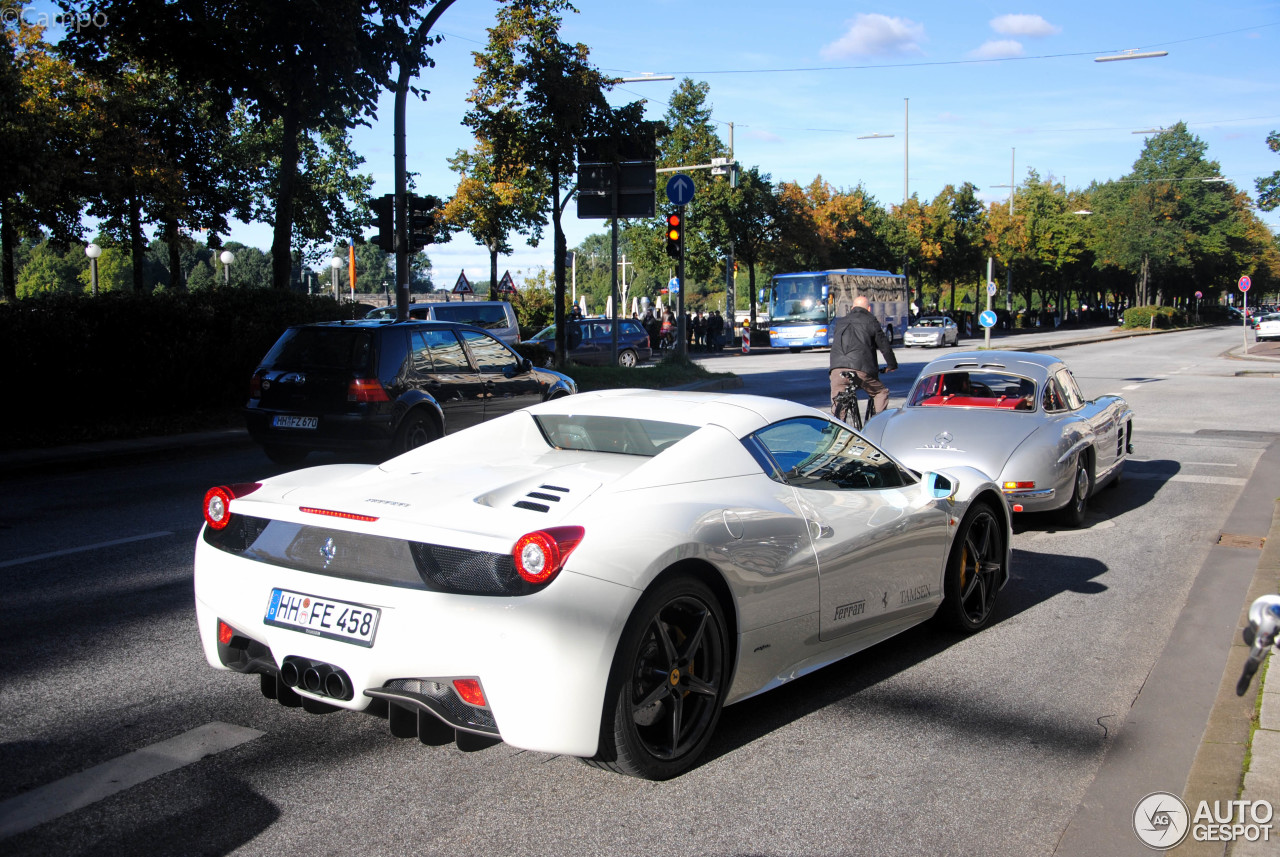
{"x": 610, "y": 434}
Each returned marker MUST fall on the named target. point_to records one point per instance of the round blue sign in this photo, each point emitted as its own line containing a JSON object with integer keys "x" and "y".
{"x": 987, "y": 319}
{"x": 673, "y": 285}
{"x": 680, "y": 189}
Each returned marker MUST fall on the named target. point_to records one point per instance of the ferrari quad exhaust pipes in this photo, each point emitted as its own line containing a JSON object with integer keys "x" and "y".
{"x": 315, "y": 677}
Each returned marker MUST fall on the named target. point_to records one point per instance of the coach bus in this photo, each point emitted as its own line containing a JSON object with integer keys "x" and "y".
{"x": 803, "y": 307}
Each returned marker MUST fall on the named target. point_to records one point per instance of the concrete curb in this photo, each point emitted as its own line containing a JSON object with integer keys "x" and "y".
{"x": 1230, "y": 742}
{"x": 1262, "y": 779}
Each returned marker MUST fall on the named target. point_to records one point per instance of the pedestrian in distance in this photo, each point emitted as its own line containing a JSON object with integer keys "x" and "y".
{"x": 857, "y": 338}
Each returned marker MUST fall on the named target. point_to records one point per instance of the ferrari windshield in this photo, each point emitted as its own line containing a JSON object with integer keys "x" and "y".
{"x": 610, "y": 434}
{"x": 984, "y": 389}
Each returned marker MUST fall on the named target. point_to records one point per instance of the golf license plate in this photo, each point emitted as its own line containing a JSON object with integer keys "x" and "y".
{"x": 295, "y": 422}
{"x": 323, "y": 617}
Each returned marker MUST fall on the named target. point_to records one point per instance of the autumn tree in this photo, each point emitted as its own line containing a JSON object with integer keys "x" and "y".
{"x": 44, "y": 117}
{"x": 493, "y": 200}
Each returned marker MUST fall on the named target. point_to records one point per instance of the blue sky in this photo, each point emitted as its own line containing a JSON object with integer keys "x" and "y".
{"x": 987, "y": 82}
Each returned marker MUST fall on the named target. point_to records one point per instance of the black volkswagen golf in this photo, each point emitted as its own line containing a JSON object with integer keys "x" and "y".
{"x": 374, "y": 388}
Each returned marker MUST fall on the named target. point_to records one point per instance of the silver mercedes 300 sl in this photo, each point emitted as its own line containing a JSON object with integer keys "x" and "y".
{"x": 1018, "y": 417}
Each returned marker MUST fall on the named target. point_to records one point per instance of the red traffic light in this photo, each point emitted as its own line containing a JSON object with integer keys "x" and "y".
{"x": 673, "y": 227}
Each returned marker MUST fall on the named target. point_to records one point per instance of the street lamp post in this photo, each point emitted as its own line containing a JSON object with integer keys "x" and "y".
{"x": 334, "y": 264}
{"x": 1008, "y": 269}
{"x": 93, "y": 251}
{"x": 227, "y": 258}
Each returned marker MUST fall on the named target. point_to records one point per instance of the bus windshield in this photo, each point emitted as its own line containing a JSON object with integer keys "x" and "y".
{"x": 798, "y": 299}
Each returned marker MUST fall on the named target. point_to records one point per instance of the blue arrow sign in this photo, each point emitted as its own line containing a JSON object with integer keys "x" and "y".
{"x": 673, "y": 285}
{"x": 987, "y": 319}
{"x": 680, "y": 189}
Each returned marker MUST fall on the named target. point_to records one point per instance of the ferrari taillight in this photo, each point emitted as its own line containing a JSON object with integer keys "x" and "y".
{"x": 470, "y": 692}
{"x": 366, "y": 390}
{"x": 217, "y": 502}
{"x": 540, "y": 555}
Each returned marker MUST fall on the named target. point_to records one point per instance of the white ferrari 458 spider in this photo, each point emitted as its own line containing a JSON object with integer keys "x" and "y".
{"x": 594, "y": 576}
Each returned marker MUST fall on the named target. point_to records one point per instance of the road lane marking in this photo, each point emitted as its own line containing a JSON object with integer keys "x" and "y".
{"x": 10, "y": 562}
{"x": 1185, "y": 477}
{"x": 1131, "y": 387}
{"x": 45, "y": 803}
{"x": 1210, "y": 464}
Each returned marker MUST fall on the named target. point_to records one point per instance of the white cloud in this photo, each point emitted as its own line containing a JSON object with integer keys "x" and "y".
{"x": 763, "y": 136}
{"x": 1024, "y": 25}
{"x": 998, "y": 49}
{"x": 876, "y": 35}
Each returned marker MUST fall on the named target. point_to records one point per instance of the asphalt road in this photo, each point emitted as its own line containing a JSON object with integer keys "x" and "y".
{"x": 929, "y": 743}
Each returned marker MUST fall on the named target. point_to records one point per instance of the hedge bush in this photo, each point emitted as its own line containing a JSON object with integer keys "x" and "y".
{"x": 120, "y": 364}
{"x": 1164, "y": 317}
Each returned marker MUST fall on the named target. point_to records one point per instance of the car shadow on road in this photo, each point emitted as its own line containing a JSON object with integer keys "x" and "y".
{"x": 855, "y": 681}
{"x": 1136, "y": 487}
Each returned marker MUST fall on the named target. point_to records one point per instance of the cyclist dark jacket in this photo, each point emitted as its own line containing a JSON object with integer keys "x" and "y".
{"x": 854, "y": 343}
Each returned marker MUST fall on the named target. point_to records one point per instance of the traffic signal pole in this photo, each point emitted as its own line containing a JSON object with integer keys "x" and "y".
{"x": 682, "y": 346}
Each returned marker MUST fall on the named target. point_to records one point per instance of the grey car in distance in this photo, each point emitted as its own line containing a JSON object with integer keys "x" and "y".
{"x": 931, "y": 331}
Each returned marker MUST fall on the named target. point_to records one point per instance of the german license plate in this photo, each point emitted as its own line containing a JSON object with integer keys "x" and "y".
{"x": 295, "y": 422}
{"x": 323, "y": 617}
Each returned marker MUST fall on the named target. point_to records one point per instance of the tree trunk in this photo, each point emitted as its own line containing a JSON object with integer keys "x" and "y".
{"x": 137, "y": 249}
{"x": 493, "y": 272}
{"x": 282, "y": 240}
{"x": 177, "y": 282}
{"x": 558, "y": 252}
{"x": 6, "y": 249}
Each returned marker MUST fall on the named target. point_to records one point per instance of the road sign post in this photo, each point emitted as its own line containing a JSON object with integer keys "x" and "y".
{"x": 1245, "y": 283}
{"x": 680, "y": 192}
{"x": 991, "y": 291}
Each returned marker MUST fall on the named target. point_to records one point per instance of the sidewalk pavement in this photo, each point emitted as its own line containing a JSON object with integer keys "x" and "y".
{"x": 1234, "y": 759}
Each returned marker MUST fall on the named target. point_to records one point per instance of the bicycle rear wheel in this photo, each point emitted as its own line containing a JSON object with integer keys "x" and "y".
{"x": 849, "y": 412}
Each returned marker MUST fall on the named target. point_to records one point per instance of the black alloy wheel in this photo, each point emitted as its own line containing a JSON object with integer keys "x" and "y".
{"x": 975, "y": 570}
{"x": 668, "y": 683}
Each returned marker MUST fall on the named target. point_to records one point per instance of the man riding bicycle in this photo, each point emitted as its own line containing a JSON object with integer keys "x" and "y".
{"x": 854, "y": 343}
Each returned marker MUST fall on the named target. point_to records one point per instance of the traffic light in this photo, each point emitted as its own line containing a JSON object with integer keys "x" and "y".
{"x": 384, "y": 212}
{"x": 675, "y": 235}
{"x": 424, "y": 216}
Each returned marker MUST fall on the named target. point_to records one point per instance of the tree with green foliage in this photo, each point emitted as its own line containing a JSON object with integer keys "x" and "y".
{"x": 536, "y": 98}
{"x": 299, "y": 68}
{"x": 1269, "y": 186}
{"x": 745, "y": 220}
